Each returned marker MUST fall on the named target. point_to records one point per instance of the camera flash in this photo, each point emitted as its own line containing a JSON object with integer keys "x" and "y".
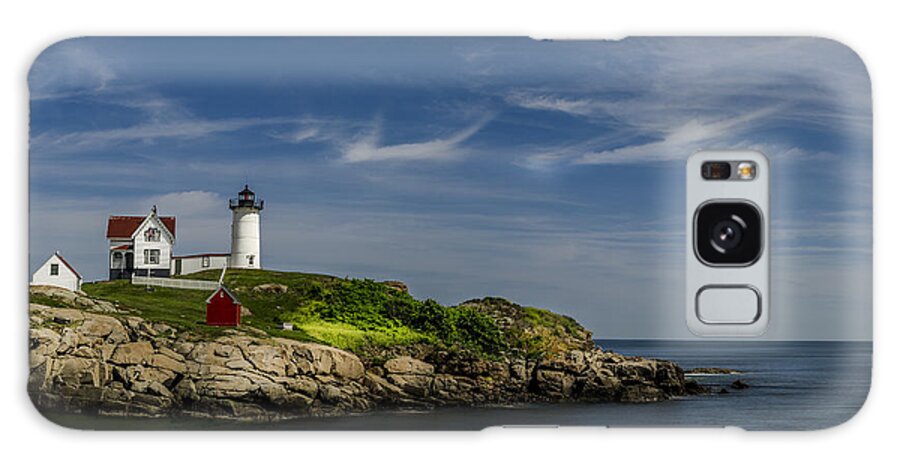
{"x": 746, "y": 170}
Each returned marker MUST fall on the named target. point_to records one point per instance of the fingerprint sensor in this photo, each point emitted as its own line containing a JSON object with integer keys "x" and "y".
{"x": 728, "y": 304}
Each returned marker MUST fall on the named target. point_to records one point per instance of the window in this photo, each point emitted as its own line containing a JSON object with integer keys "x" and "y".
{"x": 116, "y": 260}
{"x": 54, "y": 269}
{"x": 151, "y": 256}
{"x": 151, "y": 234}
{"x": 250, "y": 259}
{"x": 204, "y": 261}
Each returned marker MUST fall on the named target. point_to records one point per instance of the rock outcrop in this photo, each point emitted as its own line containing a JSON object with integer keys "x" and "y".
{"x": 739, "y": 385}
{"x": 93, "y": 359}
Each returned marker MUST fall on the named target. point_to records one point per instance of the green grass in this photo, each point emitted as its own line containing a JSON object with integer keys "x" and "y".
{"x": 182, "y": 309}
{"x": 351, "y": 314}
{"x": 346, "y": 313}
{"x": 352, "y": 338}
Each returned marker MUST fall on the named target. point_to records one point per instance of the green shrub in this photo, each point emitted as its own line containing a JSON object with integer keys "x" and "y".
{"x": 373, "y": 308}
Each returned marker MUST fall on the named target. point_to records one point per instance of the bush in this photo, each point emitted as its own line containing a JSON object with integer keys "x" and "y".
{"x": 373, "y": 308}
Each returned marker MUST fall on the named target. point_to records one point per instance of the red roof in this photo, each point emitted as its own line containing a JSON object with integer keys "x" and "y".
{"x": 67, "y": 264}
{"x": 124, "y": 226}
{"x": 227, "y": 292}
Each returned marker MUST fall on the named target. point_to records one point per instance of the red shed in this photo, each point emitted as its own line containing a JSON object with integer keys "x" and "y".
{"x": 223, "y": 308}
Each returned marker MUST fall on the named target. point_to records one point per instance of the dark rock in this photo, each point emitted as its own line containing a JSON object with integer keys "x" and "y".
{"x": 739, "y": 385}
{"x": 692, "y": 387}
{"x": 642, "y": 394}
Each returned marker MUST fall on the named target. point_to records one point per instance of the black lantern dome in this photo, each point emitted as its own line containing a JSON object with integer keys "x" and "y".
{"x": 246, "y": 199}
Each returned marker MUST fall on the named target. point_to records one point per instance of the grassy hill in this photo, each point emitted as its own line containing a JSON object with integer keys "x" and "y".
{"x": 354, "y": 314}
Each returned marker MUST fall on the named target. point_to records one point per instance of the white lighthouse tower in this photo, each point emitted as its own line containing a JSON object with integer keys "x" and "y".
{"x": 245, "y": 230}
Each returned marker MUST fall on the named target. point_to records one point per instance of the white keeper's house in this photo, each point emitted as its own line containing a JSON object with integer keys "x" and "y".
{"x": 143, "y": 245}
{"x": 58, "y": 272}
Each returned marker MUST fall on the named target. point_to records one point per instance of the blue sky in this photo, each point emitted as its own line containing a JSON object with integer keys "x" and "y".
{"x": 550, "y": 173}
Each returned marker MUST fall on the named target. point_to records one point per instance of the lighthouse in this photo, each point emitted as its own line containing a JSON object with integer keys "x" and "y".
{"x": 245, "y": 230}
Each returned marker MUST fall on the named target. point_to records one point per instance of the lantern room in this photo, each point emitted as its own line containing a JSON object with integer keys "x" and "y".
{"x": 246, "y": 199}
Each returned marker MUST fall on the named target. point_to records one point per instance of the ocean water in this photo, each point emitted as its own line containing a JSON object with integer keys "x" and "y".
{"x": 793, "y": 386}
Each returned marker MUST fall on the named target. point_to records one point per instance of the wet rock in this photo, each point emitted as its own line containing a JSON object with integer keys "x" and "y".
{"x": 553, "y": 383}
{"x": 641, "y": 394}
{"x": 739, "y": 385}
{"x": 692, "y": 387}
{"x": 600, "y": 387}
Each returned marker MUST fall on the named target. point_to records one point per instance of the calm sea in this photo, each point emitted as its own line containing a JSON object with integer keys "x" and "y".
{"x": 793, "y": 385}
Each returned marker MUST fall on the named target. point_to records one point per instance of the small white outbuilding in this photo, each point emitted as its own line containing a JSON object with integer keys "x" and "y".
{"x": 58, "y": 272}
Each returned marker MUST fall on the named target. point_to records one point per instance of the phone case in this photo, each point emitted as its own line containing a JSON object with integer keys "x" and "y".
{"x": 437, "y": 233}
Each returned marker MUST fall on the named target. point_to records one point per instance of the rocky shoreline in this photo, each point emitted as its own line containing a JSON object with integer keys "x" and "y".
{"x": 93, "y": 358}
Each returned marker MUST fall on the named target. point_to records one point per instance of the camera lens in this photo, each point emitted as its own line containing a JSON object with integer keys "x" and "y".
{"x": 728, "y": 233}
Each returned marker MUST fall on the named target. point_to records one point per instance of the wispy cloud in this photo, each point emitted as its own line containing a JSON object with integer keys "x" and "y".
{"x": 69, "y": 68}
{"x": 680, "y": 140}
{"x": 146, "y": 132}
{"x": 551, "y": 102}
{"x": 303, "y": 134}
{"x": 153, "y": 107}
{"x": 694, "y": 102}
{"x": 673, "y": 139}
{"x": 309, "y": 129}
{"x": 367, "y": 149}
